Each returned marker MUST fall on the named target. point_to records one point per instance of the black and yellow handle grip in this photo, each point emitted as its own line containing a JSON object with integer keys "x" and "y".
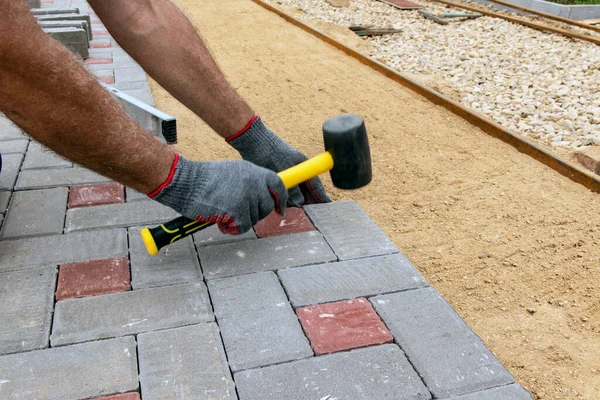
{"x": 170, "y": 232}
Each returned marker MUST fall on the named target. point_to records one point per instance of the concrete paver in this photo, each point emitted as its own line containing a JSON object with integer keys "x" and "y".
{"x": 4, "y": 198}
{"x": 10, "y": 169}
{"x": 48, "y": 178}
{"x": 212, "y": 235}
{"x": 9, "y": 131}
{"x": 120, "y": 314}
{"x": 182, "y": 363}
{"x": 39, "y": 157}
{"x": 510, "y": 392}
{"x": 294, "y": 221}
{"x": 96, "y": 195}
{"x": 13, "y": 146}
{"x": 258, "y": 324}
{"x": 134, "y": 195}
{"x": 87, "y": 278}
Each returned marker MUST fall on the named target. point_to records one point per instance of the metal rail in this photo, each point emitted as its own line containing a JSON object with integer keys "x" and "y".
{"x": 560, "y": 165}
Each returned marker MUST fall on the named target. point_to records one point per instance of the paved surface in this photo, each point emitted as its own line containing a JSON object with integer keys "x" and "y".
{"x": 320, "y": 305}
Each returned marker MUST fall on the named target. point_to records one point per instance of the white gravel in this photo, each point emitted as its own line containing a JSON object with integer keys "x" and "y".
{"x": 544, "y": 86}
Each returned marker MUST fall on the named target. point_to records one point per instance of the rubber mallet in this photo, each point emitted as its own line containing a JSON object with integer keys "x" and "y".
{"x": 347, "y": 157}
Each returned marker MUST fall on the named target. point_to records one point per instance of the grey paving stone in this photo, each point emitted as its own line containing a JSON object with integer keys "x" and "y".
{"x": 118, "y": 215}
{"x": 74, "y": 39}
{"x": 40, "y": 157}
{"x": 4, "y": 197}
{"x": 269, "y": 254}
{"x": 510, "y": 392}
{"x": 349, "y": 230}
{"x": 9, "y": 131}
{"x": 134, "y": 195}
{"x": 449, "y": 357}
{"x": 33, "y": 3}
{"x": 35, "y": 213}
{"x": 10, "y": 169}
{"x": 379, "y": 372}
{"x": 27, "y": 299}
{"x": 62, "y": 249}
{"x": 65, "y": 17}
{"x": 177, "y": 263}
{"x": 258, "y": 325}
{"x": 212, "y": 236}
{"x": 141, "y": 94}
{"x": 13, "y": 146}
{"x": 131, "y": 74}
{"x": 45, "y": 178}
{"x": 83, "y": 25}
{"x": 184, "y": 363}
{"x": 350, "y": 279}
{"x": 124, "y": 313}
{"x": 131, "y": 85}
{"x": 74, "y": 372}
{"x": 54, "y": 10}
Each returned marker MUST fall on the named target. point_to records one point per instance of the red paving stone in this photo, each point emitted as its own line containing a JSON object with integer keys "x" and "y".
{"x": 343, "y": 325}
{"x": 95, "y": 195}
{"x": 99, "y": 61}
{"x": 109, "y": 80}
{"x": 100, "y": 45}
{"x": 294, "y": 221}
{"x": 89, "y": 278}
{"x": 125, "y": 396}
{"x": 102, "y": 32}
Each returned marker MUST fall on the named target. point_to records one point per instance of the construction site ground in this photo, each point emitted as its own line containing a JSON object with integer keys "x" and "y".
{"x": 511, "y": 244}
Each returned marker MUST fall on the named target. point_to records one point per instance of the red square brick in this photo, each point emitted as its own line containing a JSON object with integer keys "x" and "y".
{"x": 100, "y": 45}
{"x": 96, "y": 195}
{"x": 343, "y": 325}
{"x": 294, "y": 221}
{"x": 88, "y": 278}
{"x": 125, "y": 396}
{"x": 98, "y": 61}
{"x": 109, "y": 80}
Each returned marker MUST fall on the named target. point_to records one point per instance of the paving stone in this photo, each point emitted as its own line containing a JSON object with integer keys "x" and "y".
{"x": 144, "y": 95}
{"x": 74, "y": 372}
{"x": 107, "y": 79}
{"x": 134, "y": 195}
{"x": 380, "y": 372}
{"x": 294, "y": 221}
{"x": 98, "y": 60}
{"x": 119, "y": 314}
{"x": 9, "y": 131}
{"x": 62, "y": 249}
{"x": 65, "y": 17}
{"x": 212, "y": 235}
{"x": 13, "y": 146}
{"x": 87, "y": 278}
{"x": 4, "y": 197}
{"x": 343, "y": 325}
{"x": 83, "y": 25}
{"x": 323, "y": 283}
{"x": 118, "y": 215}
{"x": 45, "y": 178}
{"x": 258, "y": 324}
{"x": 510, "y": 392}
{"x": 131, "y": 74}
{"x": 177, "y": 263}
{"x": 74, "y": 39}
{"x": 184, "y": 363}
{"x": 249, "y": 256}
{"x": 35, "y": 213}
{"x": 130, "y": 85}
{"x": 40, "y": 157}
{"x": 10, "y": 170}
{"x": 349, "y": 230}
{"x": 47, "y": 11}
{"x": 96, "y": 195}
{"x": 124, "y": 396}
{"x": 27, "y": 299}
{"x": 449, "y": 357}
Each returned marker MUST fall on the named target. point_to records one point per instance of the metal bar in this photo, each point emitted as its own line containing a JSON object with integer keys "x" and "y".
{"x": 160, "y": 124}
{"x": 432, "y": 17}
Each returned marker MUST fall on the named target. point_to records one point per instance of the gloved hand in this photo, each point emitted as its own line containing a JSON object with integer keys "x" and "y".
{"x": 259, "y": 145}
{"x": 235, "y": 195}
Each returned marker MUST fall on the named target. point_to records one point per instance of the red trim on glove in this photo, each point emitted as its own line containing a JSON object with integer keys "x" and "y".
{"x": 240, "y": 133}
{"x": 169, "y": 179}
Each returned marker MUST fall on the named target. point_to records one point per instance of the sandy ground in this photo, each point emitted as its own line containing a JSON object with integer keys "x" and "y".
{"x": 512, "y": 245}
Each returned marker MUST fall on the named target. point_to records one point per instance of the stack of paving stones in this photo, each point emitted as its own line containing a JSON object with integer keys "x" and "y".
{"x": 316, "y": 305}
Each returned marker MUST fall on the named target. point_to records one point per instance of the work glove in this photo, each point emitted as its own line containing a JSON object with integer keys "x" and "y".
{"x": 259, "y": 145}
{"x": 235, "y": 195}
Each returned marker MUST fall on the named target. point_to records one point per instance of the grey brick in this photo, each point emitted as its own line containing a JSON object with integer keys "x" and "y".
{"x": 134, "y": 195}
{"x": 10, "y": 169}
{"x": 103, "y": 73}
{"x": 449, "y": 357}
{"x": 380, "y": 372}
{"x": 83, "y": 25}
{"x": 118, "y": 215}
{"x": 186, "y": 362}
{"x": 64, "y": 17}
{"x": 9, "y": 131}
{"x": 350, "y": 279}
{"x": 74, "y": 39}
{"x": 212, "y": 235}
{"x": 13, "y": 146}
{"x": 258, "y": 324}
{"x": 33, "y": 3}
{"x": 48, "y": 11}
{"x": 269, "y": 254}
{"x": 40, "y": 157}
{"x": 75, "y": 372}
{"x": 27, "y": 299}
{"x": 131, "y": 74}
{"x": 4, "y": 197}
{"x": 45, "y": 178}
{"x": 35, "y": 213}
{"x": 178, "y": 263}
{"x": 131, "y": 85}
{"x": 141, "y": 94}
{"x": 61, "y": 249}
{"x": 349, "y": 230}
{"x": 119, "y": 314}
{"x": 510, "y": 392}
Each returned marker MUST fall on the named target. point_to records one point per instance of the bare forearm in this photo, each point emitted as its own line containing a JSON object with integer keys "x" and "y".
{"x": 46, "y": 91}
{"x": 166, "y": 45}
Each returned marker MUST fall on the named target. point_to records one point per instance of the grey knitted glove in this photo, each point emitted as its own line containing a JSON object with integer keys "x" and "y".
{"x": 235, "y": 195}
{"x": 259, "y": 145}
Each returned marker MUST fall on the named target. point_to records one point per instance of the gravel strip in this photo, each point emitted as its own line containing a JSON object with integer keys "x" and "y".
{"x": 544, "y": 86}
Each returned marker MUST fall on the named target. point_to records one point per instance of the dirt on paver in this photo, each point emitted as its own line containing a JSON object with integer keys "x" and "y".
{"x": 511, "y": 244}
